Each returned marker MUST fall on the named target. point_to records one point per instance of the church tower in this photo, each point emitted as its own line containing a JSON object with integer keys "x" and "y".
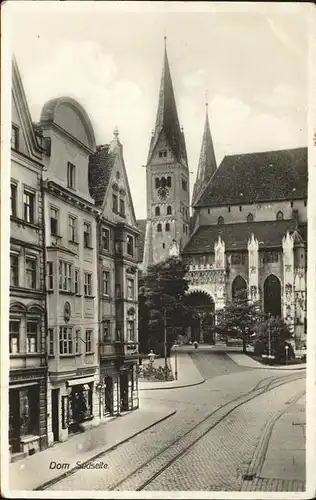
{"x": 207, "y": 162}
{"x": 168, "y": 195}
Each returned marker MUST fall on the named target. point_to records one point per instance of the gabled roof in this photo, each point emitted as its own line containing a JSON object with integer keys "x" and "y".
{"x": 257, "y": 177}
{"x": 100, "y": 169}
{"x": 167, "y": 117}
{"x": 207, "y": 161}
{"x": 235, "y": 236}
{"x": 24, "y": 113}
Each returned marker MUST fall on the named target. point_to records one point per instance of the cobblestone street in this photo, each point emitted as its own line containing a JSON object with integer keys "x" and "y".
{"x": 214, "y": 454}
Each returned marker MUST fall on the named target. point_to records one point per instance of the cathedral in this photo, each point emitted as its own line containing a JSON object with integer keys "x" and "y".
{"x": 248, "y": 225}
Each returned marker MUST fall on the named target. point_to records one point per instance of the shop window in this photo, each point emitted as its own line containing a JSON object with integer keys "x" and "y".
{"x": 72, "y": 224}
{"x": 279, "y": 215}
{"x": 130, "y": 289}
{"x": 65, "y": 276}
{"x": 30, "y": 272}
{"x": 77, "y": 281}
{"x": 169, "y": 210}
{"x": 54, "y": 216}
{"x": 167, "y": 226}
{"x": 87, "y": 235}
{"x": 88, "y": 341}
{"x": 51, "y": 341}
{"x": 15, "y": 137}
{"x": 65, "y": 340}
{"x": 50, "y": 276}
{"x": 14, "y": 333}
{"x": 130, "y": 245}
{"x": 71, "y": 175}
{"x": 157, "y": 211}
{"x": 14, "y": 270}
{"x": 29, "y": 407}
{"x": 105, "y": 239}
{"x": 105, "y": 282}
{"x": 13, "y": 199}
{"x": 32, "y": 337}
{"x": 28, "y": 205}
{"x": 88, "y": 284}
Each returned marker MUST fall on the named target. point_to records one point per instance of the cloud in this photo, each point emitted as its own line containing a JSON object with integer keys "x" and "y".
{"x": 284, "y": 95}
{"x": 195, "y": 79}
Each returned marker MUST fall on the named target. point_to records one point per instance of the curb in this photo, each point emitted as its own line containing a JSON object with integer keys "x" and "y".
{"x": 99, "y": 454}
{"x": 173, "y": 387}
{"x": 258, "y": 459}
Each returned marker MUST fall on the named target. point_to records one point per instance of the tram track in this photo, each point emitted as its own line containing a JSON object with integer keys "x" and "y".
{"x": 210, "y": 422}
{"x": 169, "y": 454}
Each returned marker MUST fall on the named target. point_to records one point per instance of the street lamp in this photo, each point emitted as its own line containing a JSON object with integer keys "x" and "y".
{"x": 269, "y": 337}
{"x": 175, "y": 361}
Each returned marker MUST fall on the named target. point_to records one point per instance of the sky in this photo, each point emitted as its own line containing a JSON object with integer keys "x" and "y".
{"x": 250, "y": 64}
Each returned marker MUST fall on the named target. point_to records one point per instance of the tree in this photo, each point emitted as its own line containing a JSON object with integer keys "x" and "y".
{"x": 277, "y": 331}
{"x": 239, "y": 318}
{"x": 164, "y": 290}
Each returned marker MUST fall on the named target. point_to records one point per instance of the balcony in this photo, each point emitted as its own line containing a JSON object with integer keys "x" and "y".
{"x": 118, "y": 349}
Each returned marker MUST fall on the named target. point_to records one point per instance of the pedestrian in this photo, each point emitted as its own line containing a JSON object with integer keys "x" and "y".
{"x": 195, "y": 344}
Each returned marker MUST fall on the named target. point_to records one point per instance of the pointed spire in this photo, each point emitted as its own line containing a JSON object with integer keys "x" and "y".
{"x": 207, "y": 162}
{"x": 167, "y": 116}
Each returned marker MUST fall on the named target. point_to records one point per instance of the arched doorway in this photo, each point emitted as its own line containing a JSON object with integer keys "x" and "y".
{"x": 238, "y": 284}
{"x": 202, "y": 307}
{"x": 272, "y": 295}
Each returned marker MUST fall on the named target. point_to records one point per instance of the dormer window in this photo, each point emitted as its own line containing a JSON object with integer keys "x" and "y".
{"x": 122, "y": 207}
{"x": 162, "y": 154}
{"x": 114, "y": 203}
{"x": 71, "y": 175}
{"x": 220, "y": 220}
{"x": 279, "y": 215}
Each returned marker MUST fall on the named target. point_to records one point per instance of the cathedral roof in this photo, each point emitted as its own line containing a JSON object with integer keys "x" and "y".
{"x": 235, "y": 236}
{"x": 257, "y": 177}
{"x": 207, "y": 162}
{"x": 167, "y": 116}
{"x": 100, "y": 168}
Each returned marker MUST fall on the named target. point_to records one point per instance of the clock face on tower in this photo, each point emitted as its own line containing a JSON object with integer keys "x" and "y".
{"x": 163, "y": 193}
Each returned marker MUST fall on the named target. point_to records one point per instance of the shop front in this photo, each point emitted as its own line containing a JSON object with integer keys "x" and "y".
{"x": 77, "y": 405}
{"x": 128, "y": 387}
{"x": 27, "y": 423}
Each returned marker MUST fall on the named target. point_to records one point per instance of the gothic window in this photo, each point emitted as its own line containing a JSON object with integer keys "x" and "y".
{"x": 169, "y": 181}
{"x": 220, "y": 220}
{"x": 159, "y": 228}
{"x": 169, "y": 210}
{"x": 157, "y": 211}
{"x": 167, "y": 226}
{"x": 157, "y": 182}
{"x": 163, "y": 182}
{"x": 279, "y": 215}
{"x": 249, "y": 218}
{"x": 238, "y": 285}
{"x": 270, "y": 257}
{"x": 272, "y": 295}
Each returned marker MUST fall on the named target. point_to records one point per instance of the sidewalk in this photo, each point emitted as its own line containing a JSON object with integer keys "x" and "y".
{"x": 243, "y": 360}
{"x": 188, "y": 374}
{"x": 35, "y": 471}
{"x": 285, "y": 457}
